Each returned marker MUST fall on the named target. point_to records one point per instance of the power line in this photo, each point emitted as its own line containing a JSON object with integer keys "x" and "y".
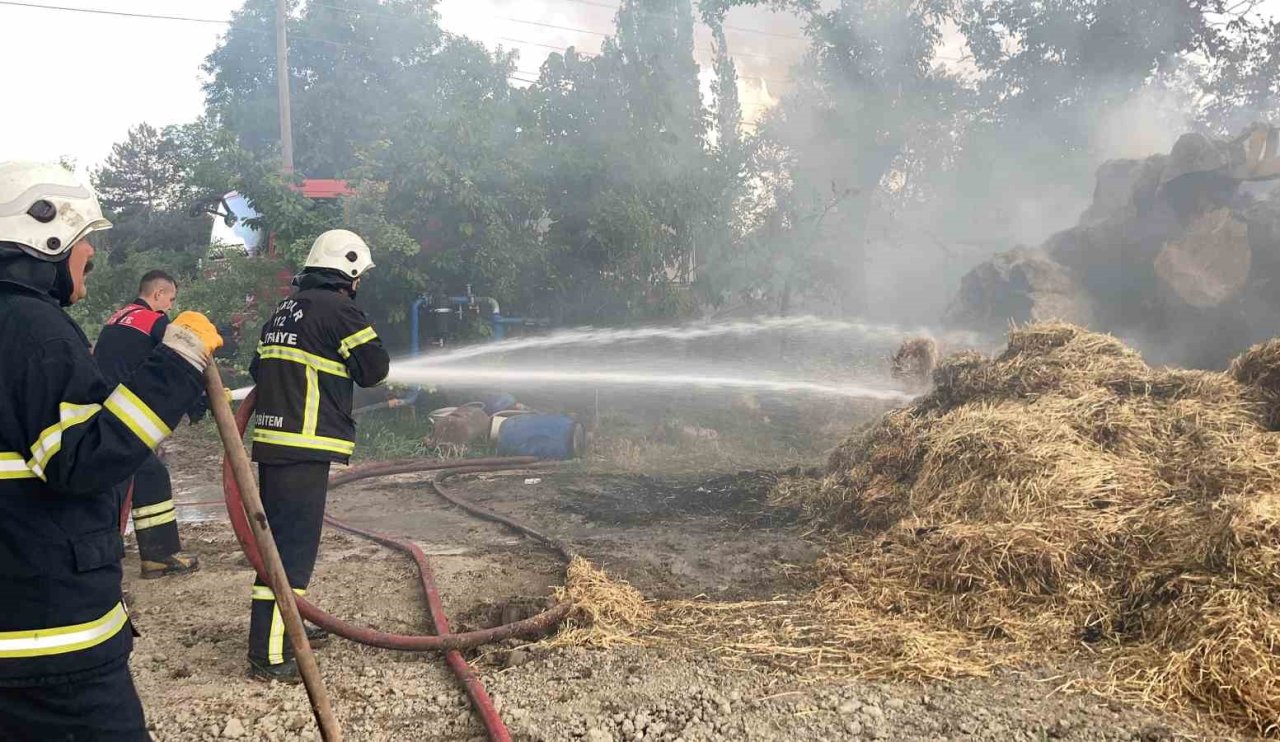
{"x": 553, "y": 26}
{"x": 555, "y": 47}
{"x": 602, "y": 34}
{"x": 727, "y": 27}
{"x": 707, "y": 50}
{"x": 332, "y": 42}
{"x": 539, "y": 24}
{"x": 119, "y": 13}
{"x": 159, "y": 17}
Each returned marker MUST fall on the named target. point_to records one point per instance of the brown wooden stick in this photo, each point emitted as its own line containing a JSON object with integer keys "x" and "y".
{"x": 240, "y": 468}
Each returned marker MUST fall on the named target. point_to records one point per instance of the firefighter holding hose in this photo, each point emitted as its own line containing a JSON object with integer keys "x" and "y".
{"x": 127, "y": 340}
{"x": 316, "y": 345}
{"x": 67, "y": 440}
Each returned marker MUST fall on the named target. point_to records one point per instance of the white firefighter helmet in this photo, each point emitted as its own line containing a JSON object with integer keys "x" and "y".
{"x": 341, "y": 250}
{"x": 45, "y": 209}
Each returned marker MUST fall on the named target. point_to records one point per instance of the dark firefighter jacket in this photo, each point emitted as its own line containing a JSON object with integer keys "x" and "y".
{"x": 311, "y": 350}
{"x": 66, "y": 439}
{"x": 127, "y": 339}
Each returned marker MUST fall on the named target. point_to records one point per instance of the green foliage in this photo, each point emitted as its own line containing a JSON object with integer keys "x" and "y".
{"x": 389, "y": 435}
{"x": 238, "y": 293}
{"x": 583, "y": 198}
{"x": 142, "y": 174}
{"x": 880, "y": 131}
{"x": 146, "y": 189}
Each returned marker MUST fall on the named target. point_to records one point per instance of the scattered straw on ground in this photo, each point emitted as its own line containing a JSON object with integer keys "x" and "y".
{"x": 606, "y": 612}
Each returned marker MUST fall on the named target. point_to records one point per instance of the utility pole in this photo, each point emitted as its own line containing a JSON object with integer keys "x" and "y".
{"x": 282, "y": 86}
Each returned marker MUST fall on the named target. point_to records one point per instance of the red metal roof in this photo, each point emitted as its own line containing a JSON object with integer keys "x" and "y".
{"x": 322, "y": 188}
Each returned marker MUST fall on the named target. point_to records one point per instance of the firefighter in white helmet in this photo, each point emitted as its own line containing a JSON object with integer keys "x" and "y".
{"x": 67, "y": 439}
{"x": 316, "y": 345}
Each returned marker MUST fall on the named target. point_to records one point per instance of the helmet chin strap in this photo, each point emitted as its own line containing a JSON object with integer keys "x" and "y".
{"x": 64, "y": 285}
{"x": 53, "y": 279}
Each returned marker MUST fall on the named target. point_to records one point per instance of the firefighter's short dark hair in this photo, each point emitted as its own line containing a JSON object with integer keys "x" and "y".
{"x": 151, "y": 278}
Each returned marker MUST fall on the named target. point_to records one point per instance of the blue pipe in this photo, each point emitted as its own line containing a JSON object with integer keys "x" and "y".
{"x": 499, "y": 325}
{"x": 415, "y": 344}
{"x": 496, "y": 321}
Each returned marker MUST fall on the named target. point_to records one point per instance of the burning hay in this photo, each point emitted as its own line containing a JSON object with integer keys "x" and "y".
{"x": 1066, "y": 494}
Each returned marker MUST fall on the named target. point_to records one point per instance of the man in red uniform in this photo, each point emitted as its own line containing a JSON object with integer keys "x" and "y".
{"x": 126, "y": 341}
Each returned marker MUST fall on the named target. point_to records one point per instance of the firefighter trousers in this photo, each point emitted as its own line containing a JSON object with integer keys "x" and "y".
{"x": 293, "y": 496}
{"x": 102, "y": 707}
{"x": 155, "y": 521}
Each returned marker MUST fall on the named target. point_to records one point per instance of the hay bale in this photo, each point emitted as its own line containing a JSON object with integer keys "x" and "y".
{"x": 1041, "y": 358}
{"x": 1064, "y": 491}
{"x": 914, "y": 361}
{"x": 1021, "y": 285}
{"x": 1124, "y": 189}
{"x": 1209, "y": 264}
{"x": 1195, "y": 154}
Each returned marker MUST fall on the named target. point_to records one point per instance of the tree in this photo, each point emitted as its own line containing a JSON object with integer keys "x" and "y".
{"x": 146, "y": 190}
{"x": 724, "y": 89}
{"x": 359, "y": 70}
{"x": 627, "y": 171}
{"x": 867, "y": 99}
{"x": 142, "y": 175}
{"x": 896, "y": 152}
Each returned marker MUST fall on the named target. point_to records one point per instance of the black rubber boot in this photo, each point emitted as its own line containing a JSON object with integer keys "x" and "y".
{"x": 174, "y": 564}
{"x": 316, "y": 636}
{"x": 285, "y": 672}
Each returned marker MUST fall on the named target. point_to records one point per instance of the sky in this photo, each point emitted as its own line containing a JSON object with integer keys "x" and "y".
{"x": 75, "y": 82}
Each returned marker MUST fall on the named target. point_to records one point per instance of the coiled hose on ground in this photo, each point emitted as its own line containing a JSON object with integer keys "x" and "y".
{"x": 442, "y": 641}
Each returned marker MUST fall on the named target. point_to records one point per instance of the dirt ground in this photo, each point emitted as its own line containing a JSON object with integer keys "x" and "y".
{"x": 671, "y": 537}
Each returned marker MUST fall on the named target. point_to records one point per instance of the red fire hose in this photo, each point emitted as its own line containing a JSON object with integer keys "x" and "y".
{"x": 126, "y": 507}
{"x": 443, "y": 640}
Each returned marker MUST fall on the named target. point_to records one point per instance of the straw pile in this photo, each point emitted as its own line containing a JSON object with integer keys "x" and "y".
{"x": 606, "y": 612}
{"x": 1064, "y": 494}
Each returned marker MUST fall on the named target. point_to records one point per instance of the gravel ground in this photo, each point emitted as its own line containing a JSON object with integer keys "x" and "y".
{"x": 669, "y": 538}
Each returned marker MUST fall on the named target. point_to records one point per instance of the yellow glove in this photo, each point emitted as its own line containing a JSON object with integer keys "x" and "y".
{"x": 203, "y": 328}
{"x": 193, "y": 337}
{"x": 227, "y": 393}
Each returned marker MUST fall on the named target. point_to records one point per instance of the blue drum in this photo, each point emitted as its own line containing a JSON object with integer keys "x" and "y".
{"x": 544, "y": 436}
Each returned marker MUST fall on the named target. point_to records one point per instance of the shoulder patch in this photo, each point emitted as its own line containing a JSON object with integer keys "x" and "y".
{"x": 138, "y": 318}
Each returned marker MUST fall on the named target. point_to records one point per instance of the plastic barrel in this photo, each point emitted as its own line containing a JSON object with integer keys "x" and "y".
{"x": 495, "y": 403}
{"x": 500, "y": 418}
{"x": 544, "y": 436}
